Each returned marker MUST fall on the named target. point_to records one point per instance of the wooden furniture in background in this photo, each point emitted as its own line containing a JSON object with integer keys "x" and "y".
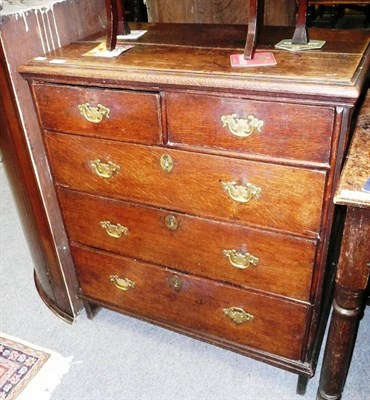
{"x": 116, "y": 22}
{"x": 354, "y": 264}
{"x": 20, "y": 141}
{"x": 336, "y": 2}
{"x": 277, "y": 12}
{"x": 300, "y": 36}
{"x": 197, "y": 196}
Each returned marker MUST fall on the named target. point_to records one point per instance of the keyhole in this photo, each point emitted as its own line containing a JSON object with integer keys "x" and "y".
{"x": 166, "y": 162}
{"x": 171, "y": 222}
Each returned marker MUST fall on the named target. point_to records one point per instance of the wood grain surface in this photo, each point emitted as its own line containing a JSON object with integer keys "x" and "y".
{"x": 285, "y": 263}
{"x": 291, "y": 198}
{"x": 285, "y": 132}
{"x": 121, "y": 123}
{"x": 198, "y": 305}
{"x": 205, "y": 66}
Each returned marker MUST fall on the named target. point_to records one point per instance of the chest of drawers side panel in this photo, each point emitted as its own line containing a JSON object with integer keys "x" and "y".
{"x": 327, "y": 251}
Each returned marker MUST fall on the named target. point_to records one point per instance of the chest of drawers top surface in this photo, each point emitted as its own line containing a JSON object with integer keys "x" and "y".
{"x": 198, "y": 56}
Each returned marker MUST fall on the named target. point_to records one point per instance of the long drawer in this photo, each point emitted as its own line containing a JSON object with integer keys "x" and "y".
{"x": 254, "y": 193}
{"x": 230, "y": 253}
{"x": 115, "y": 114}
{"x": 214, "y": 309}
{"x": 290, "y": 131}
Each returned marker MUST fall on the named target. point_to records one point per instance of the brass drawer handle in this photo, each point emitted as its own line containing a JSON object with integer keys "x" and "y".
{"x": 104, "y": 170}
{"x": 123, "y": 284}
{"x": 242, "y": 127}
{"x": 238, "y": 315}
{"x": 115, "y": 231}
{"x": 241, "y": 193}
{"x": 241, "y": 260}
{"x": 94, "y": 114}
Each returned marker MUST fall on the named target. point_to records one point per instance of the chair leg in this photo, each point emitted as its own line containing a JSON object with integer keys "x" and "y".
{"x": 116, "y": 22}
{"x": 252, "y": 30}
{"x": 300, "y": 34}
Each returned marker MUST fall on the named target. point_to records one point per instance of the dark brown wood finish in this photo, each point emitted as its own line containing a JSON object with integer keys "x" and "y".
{"x": 250, "y": 44}
{"x": 201, "y": 126}
{"x": 351, "y": 283}
{"x": 300, "y": 34}
{"x": 23, "y": 152}
{"x": 284, "y": 79}
{"x": 121, "y": 123}
{"x": 116, "y": 22}
{"x": 333, "y": 2}
{"x": 178, "y": 168}
{"x": 204, "y": 302}
{"x": 291, "y": 198}
{"x": 354, "y": 264}
{"x": 196, "y": 245}
{"x": 278, "y": 12}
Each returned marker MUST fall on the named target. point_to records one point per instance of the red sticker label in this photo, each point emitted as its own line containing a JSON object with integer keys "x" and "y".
{"x": 259, "y": 60}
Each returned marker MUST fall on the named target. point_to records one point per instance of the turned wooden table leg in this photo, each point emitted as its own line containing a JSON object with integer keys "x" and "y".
{"x": 252, "y": 30}
{"x": 351, "y": 281}
{"x": 300, "y": 34}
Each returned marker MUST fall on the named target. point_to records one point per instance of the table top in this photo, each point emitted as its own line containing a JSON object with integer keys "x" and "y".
{"x": 194, "y": 55}
{"x": 356, "y": 172}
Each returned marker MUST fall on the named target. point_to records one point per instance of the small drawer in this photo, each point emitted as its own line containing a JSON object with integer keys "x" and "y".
{"x": 121, "y": 115}
{"x": 289, "y": 131}
{"x": 225, "y": 252}
{"x": 246, "y": 192}
{"x": 212, "y": 309}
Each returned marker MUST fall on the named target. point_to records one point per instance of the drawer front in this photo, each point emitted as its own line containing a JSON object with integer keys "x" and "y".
{"x": 289, "y": 131}
{"x": 122, "y": 115}
{"x": 192, "y": 303}
{"x": 249, "y": 192}
{"x": 225, "y": 252}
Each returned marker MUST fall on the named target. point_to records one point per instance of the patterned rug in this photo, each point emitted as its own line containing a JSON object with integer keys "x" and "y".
{"x": 28, "y": 372}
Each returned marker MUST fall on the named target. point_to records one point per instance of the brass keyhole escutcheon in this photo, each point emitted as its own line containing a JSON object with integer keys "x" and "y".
{"x": 175, "y": 282}
{"x": 171, "y": 222}
{"x": 166, "y": 162}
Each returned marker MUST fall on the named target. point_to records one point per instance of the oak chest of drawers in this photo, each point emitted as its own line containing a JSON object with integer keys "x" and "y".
{"x": 197, "y": 196}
